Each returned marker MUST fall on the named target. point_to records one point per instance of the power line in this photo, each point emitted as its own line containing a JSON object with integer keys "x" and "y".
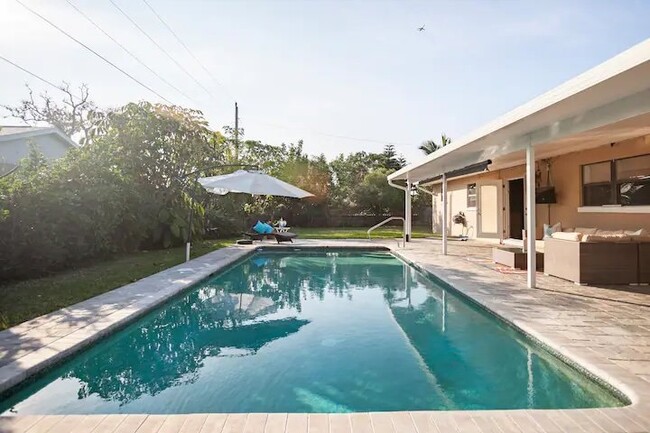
{"x": 180, "y": 41}
{"x": 136, "y": 58}
{"x": 160, "y": 47}
{"x": 93, "y": 51}
{"x": 325, "y": 134}
{"x": 38, "y": 77}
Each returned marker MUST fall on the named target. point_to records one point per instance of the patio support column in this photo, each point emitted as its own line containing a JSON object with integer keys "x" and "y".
{"x": 407, "y": 210}
{"x": 530, "y": 216}
{"x": 444, "y": 214}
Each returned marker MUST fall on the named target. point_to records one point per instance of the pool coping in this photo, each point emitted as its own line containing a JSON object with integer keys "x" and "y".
{"x": 108, "y": 312}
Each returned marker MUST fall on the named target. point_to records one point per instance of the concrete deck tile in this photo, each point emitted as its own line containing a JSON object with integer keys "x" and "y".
{"x": 109, "y": 424}
{"x": 130, "y": 424}
{"x": 193, "y": 423}
{"x": 403, "y": 423}
{"x": 276, "y": 423}
{"x": 361, "y": 423}
{"x": 544, "y": 423}
{"x": 584, "y": 421}
{"x": 624, "y": 421}
{"x": 235, "y": 423}
{"x": 423, "y": 423}
{"x": 485, "y": 423}
{"x": 465, "y": 423}
{"x": 46, "y": 423}
{"x": 506, "y": 424}
{"x": 152, "y": 424}
{"x": 68, "y": 424}
{"x": 318, "y": 423}
{"x": 443, "y": 422}
{"x": 173, "y": 424}
{"x": 382, "y": 422}
{"x": 297, "y": 423}
{"x": 214, "y": 423}
{"x": 255, "y": 423}
{"x": 340, "y": 423}
{"x": 13, "y": 424}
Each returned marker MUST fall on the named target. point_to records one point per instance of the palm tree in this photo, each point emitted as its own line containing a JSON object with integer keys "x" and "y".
{"x": 431, "y": 146}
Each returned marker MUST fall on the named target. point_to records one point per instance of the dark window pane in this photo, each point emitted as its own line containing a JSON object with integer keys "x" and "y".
{"x": 597, "y": 195}
{"x": 635, "y": 193}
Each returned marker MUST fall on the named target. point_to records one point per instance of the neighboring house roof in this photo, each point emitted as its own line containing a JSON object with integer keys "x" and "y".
{"x": 608, "y": 103}
{"x": 10, "y": 133}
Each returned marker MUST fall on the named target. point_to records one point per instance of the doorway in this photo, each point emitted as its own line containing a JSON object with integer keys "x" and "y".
{"x": 489, "y": 223}
{"x": 516, "y": 208}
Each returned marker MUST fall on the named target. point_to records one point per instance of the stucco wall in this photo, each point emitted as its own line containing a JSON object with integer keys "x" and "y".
{"x": 565, "y": 174}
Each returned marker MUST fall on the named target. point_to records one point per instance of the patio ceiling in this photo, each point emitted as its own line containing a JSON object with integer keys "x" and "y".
{"x": 606, "y": 104}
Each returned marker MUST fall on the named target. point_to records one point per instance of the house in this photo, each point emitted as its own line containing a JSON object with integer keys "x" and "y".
{"x": 15, "y": 143}
{"x": 578, "y": 155}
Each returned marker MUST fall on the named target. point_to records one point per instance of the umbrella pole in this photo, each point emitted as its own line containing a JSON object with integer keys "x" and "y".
{"x": 188, "y": 245}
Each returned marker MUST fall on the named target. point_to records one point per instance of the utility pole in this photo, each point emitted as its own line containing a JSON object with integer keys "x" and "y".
{"x": 236, "y": 133}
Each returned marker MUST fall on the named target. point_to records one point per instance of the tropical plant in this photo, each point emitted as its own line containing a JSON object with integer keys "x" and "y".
{"x": 430, "y": 146}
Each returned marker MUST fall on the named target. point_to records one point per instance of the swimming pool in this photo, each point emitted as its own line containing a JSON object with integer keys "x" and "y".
{"x": 311, "y": 331}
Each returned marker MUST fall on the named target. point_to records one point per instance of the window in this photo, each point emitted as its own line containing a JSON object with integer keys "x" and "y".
{"x": 619, "y": 182}
{"x": 471, "y": 195}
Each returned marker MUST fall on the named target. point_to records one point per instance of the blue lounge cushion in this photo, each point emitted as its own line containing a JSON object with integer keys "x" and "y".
{"x": 260, "y": 228}
{"x": 268, "y": 228}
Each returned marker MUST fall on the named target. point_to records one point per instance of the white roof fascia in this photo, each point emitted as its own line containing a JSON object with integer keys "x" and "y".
{"x": 599, "y": 75}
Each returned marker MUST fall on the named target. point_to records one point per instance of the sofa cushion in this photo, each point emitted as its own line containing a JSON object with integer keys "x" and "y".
{"x": 586, "y": 230}
{"x": 607, "y": 237}
{"x": 640, "y": 232}
{"x": 568, "y": 229}
{"x": 565, "y": 236}
{"x": 609, "y": 232}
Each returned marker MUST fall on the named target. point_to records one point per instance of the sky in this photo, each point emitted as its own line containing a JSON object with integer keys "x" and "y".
{"x": 342, "y": 75}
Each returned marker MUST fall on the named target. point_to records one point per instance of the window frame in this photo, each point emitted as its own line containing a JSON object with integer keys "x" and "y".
{"x": 613, "y": 183}
{"x": 474, "y": 195}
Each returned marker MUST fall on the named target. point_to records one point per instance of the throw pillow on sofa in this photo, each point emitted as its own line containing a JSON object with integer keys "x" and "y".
{"x": 567, "y": 236}
{"x": 549, "y": 230}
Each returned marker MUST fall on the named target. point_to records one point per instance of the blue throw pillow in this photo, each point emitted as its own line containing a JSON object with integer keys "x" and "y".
{"x": 268, "y": 227}
{"x": 260, "y": 228}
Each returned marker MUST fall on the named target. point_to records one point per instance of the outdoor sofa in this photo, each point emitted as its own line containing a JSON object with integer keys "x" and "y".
{"x": 592, "y": 256}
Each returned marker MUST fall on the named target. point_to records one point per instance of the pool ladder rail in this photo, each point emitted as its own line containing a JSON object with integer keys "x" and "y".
{"x": 376, "y": 226}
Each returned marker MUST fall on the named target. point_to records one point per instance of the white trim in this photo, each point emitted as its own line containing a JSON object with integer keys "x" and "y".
{"x": 39, "y": 130}
{"x": 614, "y": 209}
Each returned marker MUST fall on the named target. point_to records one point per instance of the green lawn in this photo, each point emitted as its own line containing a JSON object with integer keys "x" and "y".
{"x": 24, "y": 300}
{"x": 359, "y": 233}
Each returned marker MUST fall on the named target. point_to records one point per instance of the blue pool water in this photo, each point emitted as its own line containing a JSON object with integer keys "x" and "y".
{"x": 311, "y": 332}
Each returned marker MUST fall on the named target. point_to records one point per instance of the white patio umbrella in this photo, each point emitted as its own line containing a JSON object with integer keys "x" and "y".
{"x": 251, "y": 182}
{"x": 247, "y": 182}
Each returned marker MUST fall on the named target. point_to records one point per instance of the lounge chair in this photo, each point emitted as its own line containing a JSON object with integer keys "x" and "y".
{"x": 279, "y": 237}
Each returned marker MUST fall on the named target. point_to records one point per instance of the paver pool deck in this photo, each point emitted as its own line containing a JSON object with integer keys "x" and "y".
{"x": 606, "y": 331}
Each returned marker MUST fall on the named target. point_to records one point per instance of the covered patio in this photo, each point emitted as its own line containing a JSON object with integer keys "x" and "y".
{"x": 603, "y": 113}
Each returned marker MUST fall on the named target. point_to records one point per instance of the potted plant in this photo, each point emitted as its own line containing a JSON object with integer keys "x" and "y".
{"x": 461, "y": 219}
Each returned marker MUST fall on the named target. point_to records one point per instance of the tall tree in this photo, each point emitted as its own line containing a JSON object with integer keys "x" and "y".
{"x": 391, "y": 160}
{"x": 431, "y": 146}
{"x": 73, "y": 114}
